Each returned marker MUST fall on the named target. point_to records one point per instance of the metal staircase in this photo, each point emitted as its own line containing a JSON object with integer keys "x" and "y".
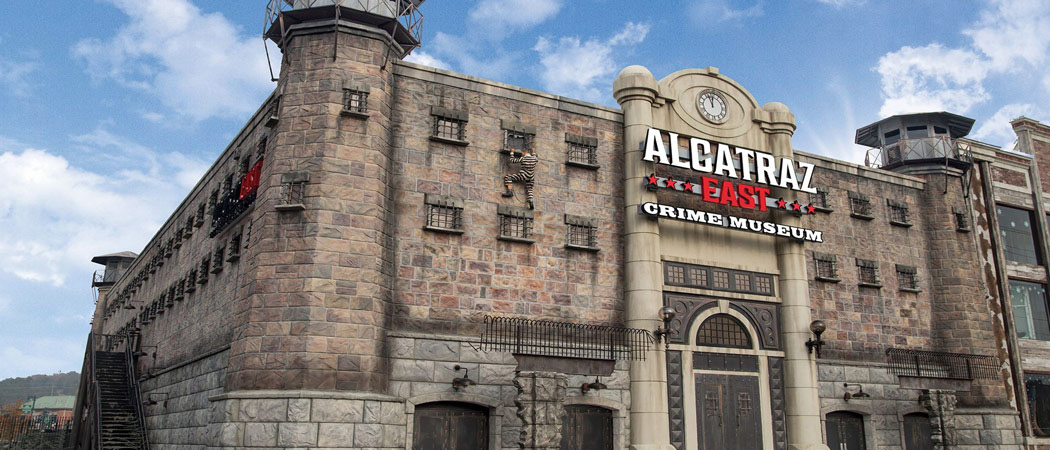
{"x": 109, "y": 413}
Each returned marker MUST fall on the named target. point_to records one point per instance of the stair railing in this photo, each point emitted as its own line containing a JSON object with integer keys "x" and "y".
{"x": 83, "y": 400}
{"x": 97, "y": 410}
{"x": 131, "y": 341}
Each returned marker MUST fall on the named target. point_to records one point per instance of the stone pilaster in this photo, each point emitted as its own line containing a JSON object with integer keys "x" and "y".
{"x": 941, "y": 408}
{"x": 540, "y": 402}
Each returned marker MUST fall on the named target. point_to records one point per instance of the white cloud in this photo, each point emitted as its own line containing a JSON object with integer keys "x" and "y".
{"x": 997, "y": 129}
{"x": 426, "y": 59}
{"x": 55, "y": 216}
{"x": 841, "y": 3}
{"x": 704, "y": 11}
{"x": 1011, "y": 36}
{"x": 576, "y": 68}
{"x": 198, "y": 64}
{"x": 498, "y": 18}
{"x": 462, "y": 49}
{"x": 26, "y": 355}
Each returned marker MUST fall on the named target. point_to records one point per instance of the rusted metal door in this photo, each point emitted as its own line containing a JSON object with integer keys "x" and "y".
{"x": 586, "y": 428}
{"x": 917, "y": 432}
{"x": 845, "y": 431}
{"x": 728, "y": 412}
{"x": 450, "y": 426}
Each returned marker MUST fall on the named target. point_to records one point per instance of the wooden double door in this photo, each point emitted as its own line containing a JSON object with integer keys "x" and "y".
{"x": 728, "y": 410}
{"x": 450, "y": 426}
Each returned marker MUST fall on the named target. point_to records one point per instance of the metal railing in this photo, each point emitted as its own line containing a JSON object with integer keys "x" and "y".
{"x": 86, "y": 411}
{"x": 928, "y": 148}
{"x": 43, "y": 431}
{"x": 955, "y": 366}
{"x": 564, "y": 339}
{"x": 405, "y": 13}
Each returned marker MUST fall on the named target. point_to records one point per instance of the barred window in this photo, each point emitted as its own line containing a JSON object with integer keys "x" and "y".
{"x": 444, "y": 213}
{"x": 220, "y": 251}
{"x": 187, "y": 230}
{"x": 178, "y": 238}
{"x": 868, "y": 273}
{"x": 723, "y": 330}
{"x": 859, "y": 205}
{"x": 962, "y": 220}
{"x": 907, "y": 278}
{"x": 293, "y": 187}
{"x": 172, "y": 291}
{"x": 820, "y": 199}
{"x": 827, "y": 269}
{"x": 202, "y": 276}
{"x": 582, "y": 232}
{"x": 275, "y": 109}
{"x": 260, "y": 149}
{"x": 235, "y": 247}
{"x": 199, "y": 219}
{"x": 213, "y": 202}
{"x": 517, "y": 136}
{"x": 191, "y": 281}
{"x": 449, "y": 124}
{"x": 898, "y": 212}
{"x": 515, "y": 224}
{"x": 582, "y": 151}
{"x": 355, "y": 99}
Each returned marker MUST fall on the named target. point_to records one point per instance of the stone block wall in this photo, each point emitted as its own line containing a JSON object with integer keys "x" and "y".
{"x": 975, "y": 428}
{"x": 180, "y": 419}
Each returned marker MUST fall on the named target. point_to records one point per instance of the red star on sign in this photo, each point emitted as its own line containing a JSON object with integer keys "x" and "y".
{"x": 687, "y": 186}
{"x": 781, "y": 203}
{"x": 810, "y": 209}
{"x": 671, "y": 182}
{"x": 652, "y": 181}
{"x": 795, "y": 206}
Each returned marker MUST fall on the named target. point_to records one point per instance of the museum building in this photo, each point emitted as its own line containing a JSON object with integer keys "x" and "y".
{"x": 390, "y": 255}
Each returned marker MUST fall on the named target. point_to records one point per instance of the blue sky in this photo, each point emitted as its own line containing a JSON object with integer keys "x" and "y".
{"x": 112, "y": 109}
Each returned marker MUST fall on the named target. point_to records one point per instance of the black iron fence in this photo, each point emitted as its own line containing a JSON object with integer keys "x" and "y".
{"x": 564, "y": 339}
{"x": 956, "y": 366}
{"x": 40, "y": 431}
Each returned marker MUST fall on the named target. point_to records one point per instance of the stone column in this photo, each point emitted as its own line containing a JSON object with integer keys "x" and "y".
{"x": 800, "y": 371}
{"x": 941, "y": 408}
{"x": 540, "y": 402}
{"x": 635, "y": 89}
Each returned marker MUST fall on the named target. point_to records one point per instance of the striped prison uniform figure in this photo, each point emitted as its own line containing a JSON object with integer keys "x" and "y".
{"x": 526, "y": 175}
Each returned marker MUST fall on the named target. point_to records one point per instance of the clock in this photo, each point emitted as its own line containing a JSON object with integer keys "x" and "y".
{"x": 712, "y": 105}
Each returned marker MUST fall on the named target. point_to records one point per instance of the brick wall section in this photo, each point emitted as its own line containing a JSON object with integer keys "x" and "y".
{"x": 447, "y": 282}
{"x": 318, "y": 309}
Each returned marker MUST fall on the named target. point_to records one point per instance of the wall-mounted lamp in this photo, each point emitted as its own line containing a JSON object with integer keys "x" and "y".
{"x": 131, "y": 304}
{"x": 848, "y": 395}
{"x": 464, "y": 381}
{"x": 817, "y": 327}
{"x": 151, "y": 399}
{"x": 667, "y": 314}
{"x": 597, "y": 385}
{"x": 139, "y": 353}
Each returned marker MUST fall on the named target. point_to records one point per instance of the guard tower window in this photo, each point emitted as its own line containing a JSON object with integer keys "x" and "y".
{"x": 827, "y": 270}
{"x": 891, "y": 137}
{"x": 582, "y": 233}
{"x": 918, "y": 132}
{"x": 515, "y": 224}
{"x": 723, "y": 330}
{"x": 582, "y": 151}
{"x": 444, "y": 213}
{"x": 1030, "y": 310}
{"x": 907, "y": 278}
{"x": 868, "y": 273}
{"x": 859, "y": 206}
{"x": 939, "y": 130}
{"x": 1016, "y": 226}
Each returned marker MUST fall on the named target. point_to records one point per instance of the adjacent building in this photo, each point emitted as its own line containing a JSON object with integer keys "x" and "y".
{"x": 390, "y": 255}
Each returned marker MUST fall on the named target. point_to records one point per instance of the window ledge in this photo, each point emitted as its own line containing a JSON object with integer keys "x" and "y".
{"x": 828, "y": 280}
{"x": 290, "y": 207}
{"x": 582, "y": 165}
{"x": 861, "y": 216}
{"x": 354, "y": 114}
{"x": 901, "y": 224}
{"x": 585, "y": 248}
{"x": 517, "y": 239}
{"x": 443, "y": 230}
{"x": 963, "y": 230}
{"x": 233, "y": 258}
{"x": 449, "y": 141}
{"x": 202, "y": 281}
{"x": 190, "y": 289}
{"x": 870, "y": 285}
{"x": 216, "y": 269}
{"x": 823, "y": 209}
{"x": 272, "y": 121}
{"x": 914, "y": 291}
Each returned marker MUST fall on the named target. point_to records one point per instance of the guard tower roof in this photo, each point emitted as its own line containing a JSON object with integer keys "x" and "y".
{"x": 103, "y": 259}
{"x": 958, "y": 126}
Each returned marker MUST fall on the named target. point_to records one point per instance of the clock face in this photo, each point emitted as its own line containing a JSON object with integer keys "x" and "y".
{"x": 712, "y": 105}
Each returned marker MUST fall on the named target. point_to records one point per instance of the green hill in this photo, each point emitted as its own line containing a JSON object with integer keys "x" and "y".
{"x": 14, "y": 389}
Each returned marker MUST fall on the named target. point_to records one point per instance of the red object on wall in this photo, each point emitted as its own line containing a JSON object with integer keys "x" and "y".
{"x": 250, "y": 181}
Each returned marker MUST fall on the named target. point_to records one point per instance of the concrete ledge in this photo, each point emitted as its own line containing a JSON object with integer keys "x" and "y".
{"x": 267, "y": 393}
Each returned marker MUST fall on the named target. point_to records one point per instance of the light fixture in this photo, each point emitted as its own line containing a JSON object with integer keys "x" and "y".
{"x": 848, "y": 395}
{"x": 150, "y": 401}
{"x": 817, "y": 327}
{"x": 597, "y": 385}
{"x": 667, "y": 314}
{"x": 139, "y": 353}
{"x": 464, "y": 381}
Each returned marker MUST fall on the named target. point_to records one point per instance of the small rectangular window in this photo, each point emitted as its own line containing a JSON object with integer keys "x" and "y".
{"x": 582, "y": 151}
{"x": 820, "y": 199}
{"x": 720, "y": 278}
{"x": 868, "y": 273}
{"x": 742, "y": 281}
{"x": 235, "y": 247}
{"x": 962, "y": 220}
{"x": 517, "y": 136}
{"x": 860, "y": 206}
{"x": 443, "y": 213}
{"x": 675, "y": 274}
{"x": 355, "y": 99}
{"x": 907, "y": 278}
{"x": 449, "y": 125}
{"x": 213, "y": 202}
{"x": 220, "y": 252}
{"x": 898, "y": 213}
{"x": 582, "y": 233}
{"x": 1030, "y": 310}
{"x": 826, "y": 267}
{"x": 202, "y": 274}
{"x": 939, "y": 130}
{"x": 515, "y": 224}
{"x": 187, "y": 230}
{"x": 191, "y": 281}
{"x": 918, "y": 132}
{"x": 891, "y": 137}
{"x": 1017, "y": 229}
{"x": 260, "y": 149}
{"x": 199, "y": 219}
{"x": 293, "y": 190}
{"x": 178, "y": 238}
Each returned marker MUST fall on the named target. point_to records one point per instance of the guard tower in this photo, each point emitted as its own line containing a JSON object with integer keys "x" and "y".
{"x": 917, "y": 143}
{"x": 116, "y": 264}
{"x": 401, "y": 19}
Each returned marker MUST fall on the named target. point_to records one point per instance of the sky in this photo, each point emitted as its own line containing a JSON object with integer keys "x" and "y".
{"x": 112, "y": 109}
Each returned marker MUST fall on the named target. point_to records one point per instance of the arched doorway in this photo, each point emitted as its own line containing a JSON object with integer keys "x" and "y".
{"x": 586, "y": 427}
{"x": 450, "y": 425}
{"x": 728, "y": 403}
{"x": 845, "y": 431}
